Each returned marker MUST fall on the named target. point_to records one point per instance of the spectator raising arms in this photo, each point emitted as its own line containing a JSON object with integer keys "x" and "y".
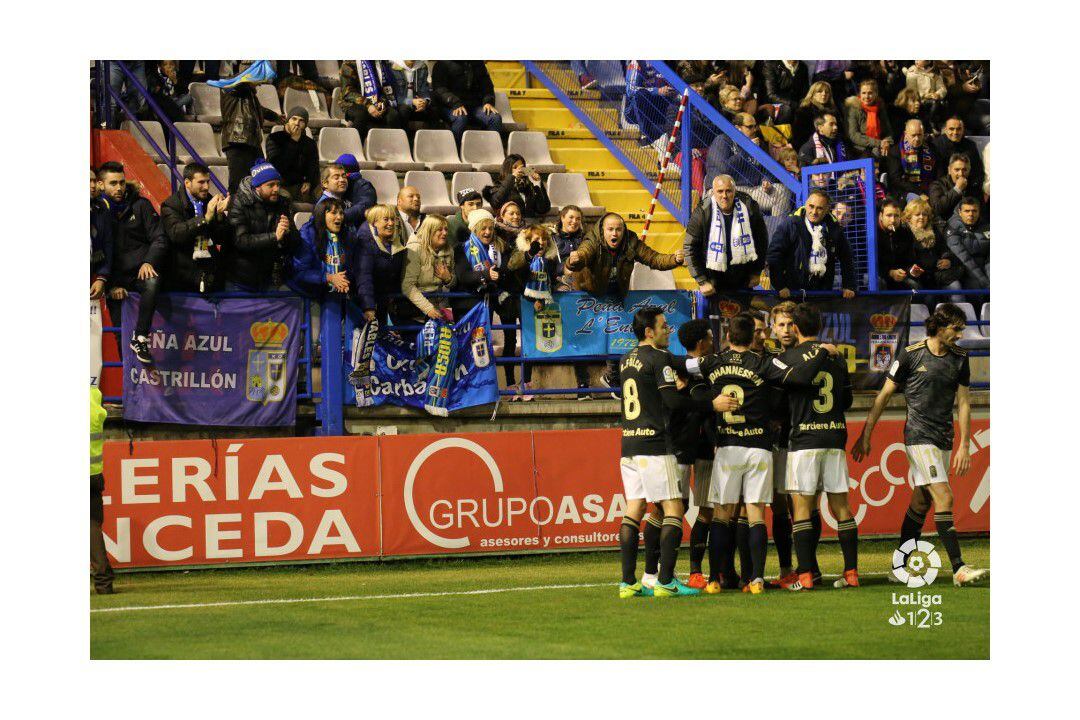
{"x": 140, "y": 251}
{"x": 520, "y": 184}
{"x": 380, "y": 264}
{"x": 321, "y": 262}
{"x": 296, "y": 156}
{"x": 804, "y": 251}
{"x": 198, "y": 232}
{"x": 466, "y": 96}
{"x": 264, "y": 235}
{"x": 911, "y": 165}
{"x": 429, "y": 268}
{"x": 535, "y": 262}
{"x": 568, "y": 233}
{"x": 867, "y": 123}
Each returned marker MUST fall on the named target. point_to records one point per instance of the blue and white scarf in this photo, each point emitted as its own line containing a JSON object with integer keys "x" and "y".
{"x": 742, "y": 239}
{"x": 376, "y": 80}
{"x": 478, "y": 254}
{"x": 332, "y": 255}
{"x": 819, "y": 255}
{"x": 539, "y": 286}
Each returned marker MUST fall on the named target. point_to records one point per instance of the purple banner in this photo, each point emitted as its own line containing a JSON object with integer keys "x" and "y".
{"x": 216, "y": 362}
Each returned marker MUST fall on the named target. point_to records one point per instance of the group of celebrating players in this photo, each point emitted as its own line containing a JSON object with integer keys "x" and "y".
{"x": 756, "y": 425}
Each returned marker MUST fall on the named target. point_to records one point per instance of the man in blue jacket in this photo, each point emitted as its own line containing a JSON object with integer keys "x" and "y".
{"x": 342, "y": 180}
{"x": 969, "y": 241}
{"x": 805, "y": 249}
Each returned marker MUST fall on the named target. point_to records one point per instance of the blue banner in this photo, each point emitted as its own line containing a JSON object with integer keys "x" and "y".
{"x": 578, "y": 324}
{"x": 216, "y": 362}
{"x": 404, "y": 369}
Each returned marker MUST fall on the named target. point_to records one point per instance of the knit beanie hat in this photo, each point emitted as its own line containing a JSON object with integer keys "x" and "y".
{"x": 349, "y": 162}
{"x": 263, "y": 172}
{"x": 299, "y": 112}
{"x": 478, "y": 216}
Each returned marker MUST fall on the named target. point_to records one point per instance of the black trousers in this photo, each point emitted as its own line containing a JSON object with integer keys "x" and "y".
{"x": 101, "y": 571}
{"x": 148, "y": 293}
{"x": 241, "y": 158}
{"x": 363, "y": 121}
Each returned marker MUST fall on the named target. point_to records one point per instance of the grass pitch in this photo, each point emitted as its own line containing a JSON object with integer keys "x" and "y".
{"x": 506, "y": 608}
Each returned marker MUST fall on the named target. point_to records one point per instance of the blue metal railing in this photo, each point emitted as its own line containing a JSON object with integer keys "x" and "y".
{"x": 168, "y": 158}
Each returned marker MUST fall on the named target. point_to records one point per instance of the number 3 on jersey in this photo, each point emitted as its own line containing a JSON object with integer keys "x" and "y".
{"x": 824, "y": 402}
{"x": 630, "y": 402}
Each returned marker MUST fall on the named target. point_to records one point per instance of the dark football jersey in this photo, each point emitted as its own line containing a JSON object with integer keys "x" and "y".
{"x": 929, "y": 383}
{"x": 745, "y": 376}
{"x": 644, "y": 371}
{"x": 693, "y": 430}
{"x": 781, "y": 412}
{"x": 817, "y": 409}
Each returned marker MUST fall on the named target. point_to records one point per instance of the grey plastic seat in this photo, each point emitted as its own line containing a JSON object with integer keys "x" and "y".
{"x": 168, "y": 175}
{"x": 483, "y": 150}
{"x": 533, "y": 146}
{"x": 476, "y": 180}
{"x": 314, "y": 103}
{"x": 222, "y": 174}
{"x": 386, "y": 185}
{"x": 984, "y": 315}
{"x": 432, "y": 187}
{"x": 436, "y": 149}
{"x": 390, "y": 148}
{"x": 268, "y": 97}
{"x": 336, "y": 111}
{"x": 571, "y": 189}
{"x": 972, "y": 339}
{"x": 154, "y": 128}
{"x": 502, "y": 104}
{"x": 300, "y": 219}
{"x": 201, "y": 138}
{"x": 329, "y": 70}
{"x": 919, "y": 313}
{"x": 339, "y": 141}
{"x": 207, "y": 102}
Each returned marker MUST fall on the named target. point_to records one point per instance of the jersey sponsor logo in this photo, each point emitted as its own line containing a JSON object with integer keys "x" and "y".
{"x": 921, "y": 368}
{"x": 895, "y": 367}
{"x": 779, "y": 364}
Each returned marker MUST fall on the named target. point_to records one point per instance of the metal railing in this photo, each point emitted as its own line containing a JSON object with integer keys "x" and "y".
{"x": 107, "y": 95}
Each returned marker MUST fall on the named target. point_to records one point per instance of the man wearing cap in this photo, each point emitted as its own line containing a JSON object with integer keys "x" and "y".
{"x": 457, "y": 229}
{"x": 296, "y": 157}
{"x": 354, "y": 190}
{"x": 261, "y": 217}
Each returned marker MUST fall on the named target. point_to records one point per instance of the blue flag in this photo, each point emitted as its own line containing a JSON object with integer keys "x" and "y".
{"x": 260, "y": 72}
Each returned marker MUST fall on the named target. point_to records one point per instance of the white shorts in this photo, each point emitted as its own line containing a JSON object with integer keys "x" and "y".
{"x": 811, "y": 471}
{"x": 929, "y": 464}
{"x": 702, "y": 482}
{"x": 654, "y": 478}
{"x": 742, "y": 474}
{"x": 779, "y": 471}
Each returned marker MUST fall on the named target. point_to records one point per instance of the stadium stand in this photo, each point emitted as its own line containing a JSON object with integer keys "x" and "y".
{"x": 483, "y": 149}
{"x": 385, "y": 182}
{"x": 432, "y": 187}
{"x": 390, "y": 149}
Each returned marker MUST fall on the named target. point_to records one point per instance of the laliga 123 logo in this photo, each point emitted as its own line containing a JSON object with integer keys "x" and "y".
{"x": 916, "y": 563}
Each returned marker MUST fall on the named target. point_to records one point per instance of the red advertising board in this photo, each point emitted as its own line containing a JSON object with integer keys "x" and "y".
{"x": 201, "y": 502}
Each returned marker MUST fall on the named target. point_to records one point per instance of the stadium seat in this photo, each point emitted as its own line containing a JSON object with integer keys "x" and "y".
{"x": 334, "y": 142}
{"x": 390, "y": 148}
{"x": 502, "y": 104}
{"x": 207, "y": 102}
{"x": 432, "y": 187}
{"x": 201, "y": 138}
{"x": 475, "y": 180}
{"x": 571, "y": 189}
{"x": 483, "y": 150}
{"x": 336, "y": 111}
{"x": 154, "y": 128}
{"x": 314, "y": 103}
{"x": 329, "y": 70}
{"x": 268, "y": 97}
{"x": 222, "y": 174}
{"x": 984, "y": 315}
{"x": 533, "y": 146}
{"x": 436, "y": 149}
{"x": 972, "y": 339}
{"x": 168, "y": 175}
{"x": 981, "y": 141}
{"x": 300, "y": 219}
{"x": 919, "y": 313}
{"x": 386, "y": 185}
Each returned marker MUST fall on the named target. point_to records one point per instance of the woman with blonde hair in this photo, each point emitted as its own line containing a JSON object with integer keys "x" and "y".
{"x": 429, "y": 268}
{"x": 380, "y": 262}
{"x": 817, "y": 102}
{"x": 933, "y": 266}
{"x": 908, "y": 106}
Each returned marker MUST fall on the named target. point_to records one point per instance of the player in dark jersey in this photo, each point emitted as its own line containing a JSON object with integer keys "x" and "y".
{"x": 648, "y": 467}
{"x": 933, "y": 374}
{"x": 742, "y": 469}
{"x": 816, "y": 451}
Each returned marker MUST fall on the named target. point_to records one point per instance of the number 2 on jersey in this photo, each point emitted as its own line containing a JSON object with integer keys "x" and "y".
{"x": 734, "y": 390}
{"x": 630, "y": 402}
{"x": 824, "y": 401}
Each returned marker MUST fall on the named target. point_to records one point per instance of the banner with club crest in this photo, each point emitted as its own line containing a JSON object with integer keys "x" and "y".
{"x": 577, "y": 324}
{"x": 216, "y": 362}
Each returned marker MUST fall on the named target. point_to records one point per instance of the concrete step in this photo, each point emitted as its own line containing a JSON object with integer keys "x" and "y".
{"x": 582, "y": 159}
{"x": 547, "y": 118}
{"x": 505, "y": 78}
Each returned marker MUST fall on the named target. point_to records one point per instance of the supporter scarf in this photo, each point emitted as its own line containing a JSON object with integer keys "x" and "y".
{"x": 819, "y": 255}
{"x": 915, "y": 162}
{"x": 375, "y": 80}
{"x": 873, "y": 128}
{"x": 478, "y": 254}
{"x": 831, "y": 152}
{"x": 437, "y": 360}
{"x": 201, "y": 250}
{"x": 332, "y": 256}
{"x": 742, "y": 240}
{"x": 362, "y": 350}
{"x": 539, "y": 286}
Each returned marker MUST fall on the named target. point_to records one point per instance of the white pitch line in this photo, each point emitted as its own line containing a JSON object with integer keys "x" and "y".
{"x": 399, "y": 596}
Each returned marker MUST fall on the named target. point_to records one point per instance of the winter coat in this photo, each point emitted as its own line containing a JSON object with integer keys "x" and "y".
{"x": 971, "y": 246}
{"x": 946, "y": 148}
{"x": 419, "y": 276}
{"x": 808, "y": 151}
{"x": 598, "y": 264}
{"x": 899, "y": 183}
{"x": 421, "y": 82}
{"x": 783, "y": 87}
{"x": 895, "y": 251}
{"x": 802, "y": 124}
{"x": 531, "y": 197}
{"x": 297, "y": 161}
{"x": 855, "y": 122}
{"x": 789, "y": 256}
{"x": 306, "y": 275}
{"x": 137, "y": 237}
{"x": 101, "y": 240}
{"x": 523, "y": 255}
{"x": 927, "y": 258}
{"x": 379, "y": 269}
{"x": 183, "y": 229}
{"x": 930, "y": 85}
{"x": 944, "y": 199}
{"x": 458, "y": 83}
{"x": 257, "y": 260}
{"x": 726, "y": 157}
{"x": 242, "y": 116}
{"x": 696, "y": 243}
{"x": 565, "y": 243}
{"x": 457, "y": 230}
